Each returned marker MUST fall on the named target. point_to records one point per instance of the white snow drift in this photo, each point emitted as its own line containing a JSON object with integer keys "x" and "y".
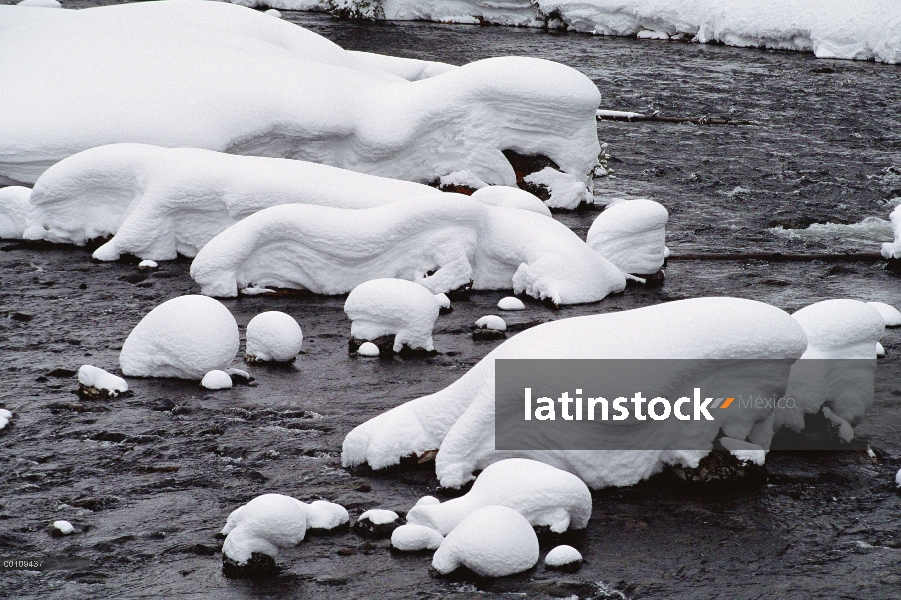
{"x": 893, "y": 249}
{"x": 862, "y": 30}
{"x": 493, "y": 541}
{"x": 413, "y": 538}
{"x": 15, "y": 209}
{"x": 395, "y": 307}
{"x": 459, "y": 420}
{"x": 273, "y": 336}
{"x": 246, "y": 83}
{"x": 185, "y": 337}
{"x": 544, "y": 495}
{"x": 91, "y": 376}
{"x": 632, "y": 235}
{"x": 460, "y": 240}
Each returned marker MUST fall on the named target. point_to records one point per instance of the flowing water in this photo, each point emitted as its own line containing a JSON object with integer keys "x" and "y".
{"x": 149, "y": 479}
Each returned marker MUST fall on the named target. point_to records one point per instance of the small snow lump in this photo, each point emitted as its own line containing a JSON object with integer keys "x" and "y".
{"x": 414, "y": 538}
{"x": 217, "y": 380}
{"x": 562, "y": 557}
{"x": 97, "y": 383}
{"x": 511, "y": 303}
{"x": 492, "y": 322}
{"x": 273, "y": 336}
{"x": 368, "y": 349}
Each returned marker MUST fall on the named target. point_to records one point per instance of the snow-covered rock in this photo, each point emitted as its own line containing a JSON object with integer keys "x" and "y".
{"x": 273, "y": 336}
{"x": 562, "y": 556}
{"x": 15, "y": 207}
{"x": 898, "y": 479}
{"x": 395, "y": 307}
{"x": 93, "y": 377}
{"x": 510, "y": 197}
{"x": 544, "y": 495}
{"x": 427, "y": 501}
{"x": 231, "y": 93}
{"x": 40, "y": 3}
{"x": 368, "y": 349}
{"x": 5, "y": 417}
{"x": 414, "y": 538}
{"x": 892, "y": 250}
{"x": 564, "y": 190}
{"x": 377, "y": 523}
{"x": 632, "y": 235}
{"x": 880, "y": 349}
{"x": 841, "y": 329}
{"x": 493, "y": 541}
{"x": 217, "y": 380}
{"x": 264, "y": 525}
{"x": 62, "y": 527}
{"x": 273, "y": 13}
{"x": 862, "y": 30}
{"x": 745, "y": 452}
{"x": 326, "y": 515}
{"x": 492, "y": 322}
{"x": 460, "y": 241}
{"x": 890, "y": 314}
{"x": 148, "y": 264}
{"x": 511, "y": 303}
{"x": 444, "y": 302}
{"x": 185, "y": 337}
{"x": 459, "y": 420}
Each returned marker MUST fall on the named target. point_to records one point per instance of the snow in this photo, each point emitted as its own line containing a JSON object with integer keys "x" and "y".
{"x": 566, "y": 190}
{"x": 148, "y": 264}
{"x": 91, "y": 376}
{"x": 880, "y": 350}
{"x": 368, "y": 349}
{"x": 5, "y": 417}
{"x": 427, "y": 501}
{"x": 379, "y": 516}
{"x": 492, "y": 322}
{"x": 631, "y": 234}
{"x": 264, "y": 525}
{"x": 395, "y": 307}
{"x": 326, "y": 515}
{"x": 862, "y": 30}
{"x": 230, "y": 93}
{"x": 284, "y": 4}
{"x": 443, "y": 301}
{"x": 511, "y": 197}
{"x": 414, "y": 538}
{"x": 273, "y": 13}
{"x": 493, "y": 541}
{"x": 185, "y": 337}
{"x": 845, "y": 430}
{"x": 216, "y": 380}
{"x": 332, "y": 250}
{"x": 544, "y": 495}
{"x": 840, "y": 329}
{"x": 889, "y": 314}
{"x": 273, "y": 336}
{"x": 893, "y": 249}
{"x": 40, "y": 3}
{"x": 898, "y": 479}
{"x": 562, "y": 556}
{"x": 15, "y": 206}
{"x": 64, "y": 527}
{"x": 744, "y": 451}
{"x": 459, "y": 420}
{"x": 510, "y": 303}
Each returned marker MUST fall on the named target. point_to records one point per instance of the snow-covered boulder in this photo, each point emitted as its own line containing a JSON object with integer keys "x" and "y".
{"x": 273, "y": 13}
{"x": 231, "y": 93}
{"x": 326, "y": 515}
{"x": 368, "y": 349}
{"x": 415, "y": 538}
{"x": 563, "y": 190}
{"x": 491, "y": 322}
{"x": 460, "y": 241}
{"x": 273, "y": 336}
{"x": 97, "y": 383}
{"x": 544, "y": 495}
{"x": 562, "y": 557}
{"x": 263, "y": 526}
{"x": 493, "y": 541}
{"x": 889, "y": 314}
{"x": 15, "y": 208}
{"x": 5, "y": 417}
{"x": 40, "y": 3}
{"x": 511, "y": 303}
{"x": 892, "y": 250}
{"x": 217, "y": 380}
{"x": 459, "y": 420}
{"x": 377, "y": 523}
{"x": 841, "y": 329}
{"x": 631, "y": 235}
{"x": 185, "y": 337}
{"x": 61, "y": 528}
{"x": 148, "y": 264}
{"x": 395, "y": 307}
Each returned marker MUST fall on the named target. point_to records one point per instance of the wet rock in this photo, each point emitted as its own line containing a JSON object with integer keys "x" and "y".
{"x": 385, "y": 344}
{"x": 21, "y": 317}
{"x": 62, "y": 373}
{"x": 95, "y": 503}
{"x": 721, "y": 468}
{"x": 163, "y": 404}
{"x": 258, "y": 566}
{"x": 487, "y": 335}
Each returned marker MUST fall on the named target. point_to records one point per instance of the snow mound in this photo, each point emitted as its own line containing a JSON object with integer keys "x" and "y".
{"x": 326, "y": 515}
{"x": 273, "y": 336}
{"x": 148, "y": 264}
{"x": 264, "y": 525}
{"x": 841, "y": 329}
{"x": 631, "y": 235}
{"x": 395, "y": 307}
{"x": 186, "y": 337}
{"x": 459, "y": 241}
{"x": 64, "y": 527}
{"x": 562, "y": 556}
{"x": 379, "y": 516}
{"x": 5, "y": 417}
{"x": 880, "y": 350}
{"x": 511, "y": 197}
{"x": 40, "y": 3}
{"x": 898, "y": 479}
{"x": 893, "y": 249}
{"x": 427, "y": 501}
{"x": 91, "y": 376}
{"x": 493, "y": 541}
{"x": 230, "y": 93}
{"x": 273, "y": 13}
{"x": 889, "y": 314}
{"x": 511, "y": 303}
{"x": 459, "y": 420}
{"x": 216, "y": 380}
{"x": 368, "y": 349}
{"x": 862, "y": 30}
{"x": 15, "y": 207}
{"x": 564, "y": 190}
{"x": 492, "y": 322}
{"x": 414, "y": 538}
{"x": 544, "y": 495}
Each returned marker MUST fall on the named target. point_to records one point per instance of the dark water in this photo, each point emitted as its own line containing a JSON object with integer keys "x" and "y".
{"x": 150, "y": 478}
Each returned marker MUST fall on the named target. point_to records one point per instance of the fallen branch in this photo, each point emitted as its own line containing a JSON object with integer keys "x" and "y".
{"x": 779, "y": 257}
{"x": 616, "y": 115}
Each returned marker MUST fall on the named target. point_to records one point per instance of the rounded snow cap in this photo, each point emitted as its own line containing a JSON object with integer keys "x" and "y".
{"x": 368, "y": 349}
{"x": 511, "y": 303}
{"x": 840, "y": 329}
{"x": 273, "y": 336}
{"x": 186, "y": 337}
{"x": 562, "y": 556}
{"x": 413, "y": 538}
{"x": 890, "y": 314}
{"x": 216, "y": 380}
{"x": 491, "y": 322}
